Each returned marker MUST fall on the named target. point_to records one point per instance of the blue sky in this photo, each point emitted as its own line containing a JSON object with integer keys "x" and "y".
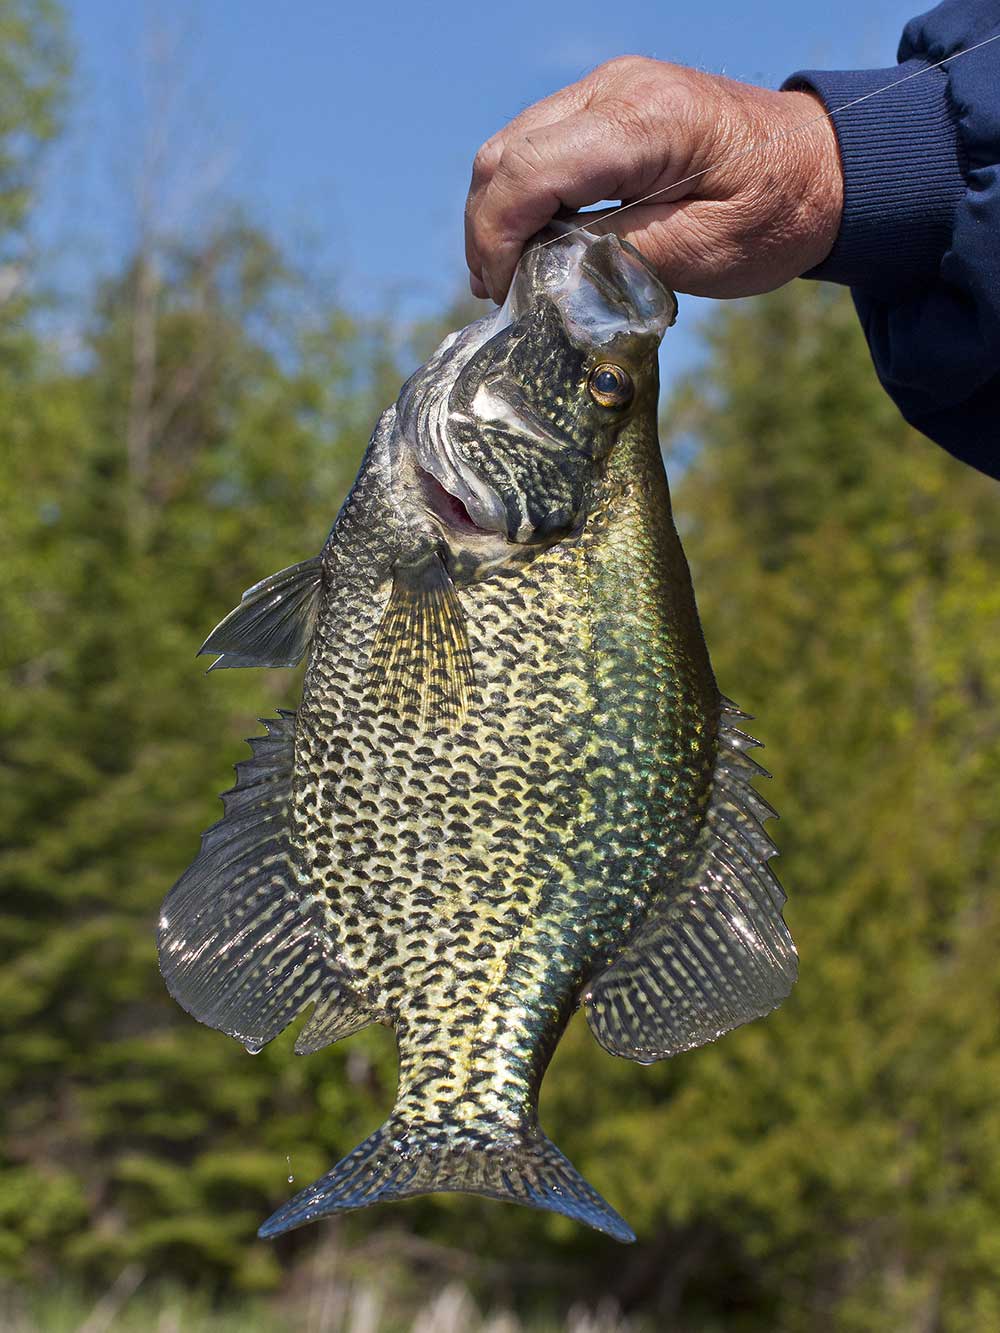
{"x": 349, "y": 129}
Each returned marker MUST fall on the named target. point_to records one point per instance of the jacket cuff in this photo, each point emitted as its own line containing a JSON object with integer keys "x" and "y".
{"x": 897, "y": 220}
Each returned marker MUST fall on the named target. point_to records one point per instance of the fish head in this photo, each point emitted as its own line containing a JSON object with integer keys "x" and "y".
{"x": 507, "y": 427}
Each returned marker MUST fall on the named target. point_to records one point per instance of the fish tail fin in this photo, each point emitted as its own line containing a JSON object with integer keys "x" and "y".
{"x": 397, "y": 1162}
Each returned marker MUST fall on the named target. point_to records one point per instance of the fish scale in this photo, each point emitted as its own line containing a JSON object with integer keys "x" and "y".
{"x": 511, "y": 785}
{"x": 568, "y": 826}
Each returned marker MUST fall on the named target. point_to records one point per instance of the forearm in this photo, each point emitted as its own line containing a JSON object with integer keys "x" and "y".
{"x": 919, "y": 241}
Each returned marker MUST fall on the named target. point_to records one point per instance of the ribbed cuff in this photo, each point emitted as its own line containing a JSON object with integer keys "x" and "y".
{"x": 903, "y": 174}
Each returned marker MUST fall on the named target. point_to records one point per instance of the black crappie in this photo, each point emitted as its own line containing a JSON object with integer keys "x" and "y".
{"x": 511, "y": 784}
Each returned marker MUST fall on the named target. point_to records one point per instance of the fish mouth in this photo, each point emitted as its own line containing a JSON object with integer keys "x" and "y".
{"x": 601, "y": 285}
{"x": 448, "y": 507}
{"x": 468, "y": 506}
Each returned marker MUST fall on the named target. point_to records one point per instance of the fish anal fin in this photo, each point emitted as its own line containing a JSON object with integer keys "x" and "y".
{"x": 714, "y": 951}
{"x": 420, "y": 668}
{"x": 274, "y": 622}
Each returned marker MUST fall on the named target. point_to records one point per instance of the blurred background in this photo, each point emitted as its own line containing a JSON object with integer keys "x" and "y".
{"x": 227, "y": 232}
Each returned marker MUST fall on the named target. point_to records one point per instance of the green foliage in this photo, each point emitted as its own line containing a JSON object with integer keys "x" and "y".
{"x": 132, "y": 514}
{"x": 33, "y": 69}
{"x": 833, "y": 1167}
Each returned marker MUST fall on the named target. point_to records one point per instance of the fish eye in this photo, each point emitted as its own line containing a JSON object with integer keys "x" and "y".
{"x": 609, "y": 385}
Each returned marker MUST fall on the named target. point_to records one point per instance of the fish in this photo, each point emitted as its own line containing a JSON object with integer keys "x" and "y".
{"x": 512, "y": 786}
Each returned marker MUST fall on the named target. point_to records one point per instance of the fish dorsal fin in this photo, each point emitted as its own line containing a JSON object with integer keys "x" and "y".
{"x": 714, "y": 951}
{"x": 238, "y": 948}
{"x": 421, "y": 665}
{"x": 273, "y": 624}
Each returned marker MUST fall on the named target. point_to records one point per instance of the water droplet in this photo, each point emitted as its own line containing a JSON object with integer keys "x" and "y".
{"x": 291, "y": 1178}
{"x": 252, "y": 1048}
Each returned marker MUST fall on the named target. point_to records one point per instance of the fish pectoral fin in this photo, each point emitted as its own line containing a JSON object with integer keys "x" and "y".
{"x": 714, "y": 952}
{"x": 400, "y": 1160}
{"x": 237, "y": 950}
{"x": 421, "y": 665}
{"x": 274, "y": 622}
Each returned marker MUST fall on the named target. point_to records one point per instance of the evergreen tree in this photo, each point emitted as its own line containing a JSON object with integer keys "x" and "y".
{"x": 142, "y": 495}
{"x": 833, "y": 1167}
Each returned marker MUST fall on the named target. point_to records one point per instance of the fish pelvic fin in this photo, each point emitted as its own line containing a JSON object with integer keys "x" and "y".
{"x": 398, "y": 1161}
{"x": 421, "y": 664}
{"x": 273, "y": 624}
{"x": 239, "y": 948}
{"x": 714, "y": 951}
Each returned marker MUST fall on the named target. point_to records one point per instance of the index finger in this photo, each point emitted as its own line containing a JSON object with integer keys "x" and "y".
{"x": 578, "y": 161}
{"x": 548, "y": 111}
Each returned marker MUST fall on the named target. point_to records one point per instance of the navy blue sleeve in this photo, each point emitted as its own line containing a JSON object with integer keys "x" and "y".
{"x": 919, "y": 243}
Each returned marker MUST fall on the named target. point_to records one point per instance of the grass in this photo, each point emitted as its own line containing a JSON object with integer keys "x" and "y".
{"x": 334, "y": 1305}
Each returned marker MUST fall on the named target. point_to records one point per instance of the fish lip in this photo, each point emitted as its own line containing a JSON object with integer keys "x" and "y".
{"x": 600, "y": 284}
{"x": 482, "y": 508}
{"x": 450, "y": 508}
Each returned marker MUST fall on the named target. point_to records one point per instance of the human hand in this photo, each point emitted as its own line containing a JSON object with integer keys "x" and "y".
{"x": 766, "y": 208}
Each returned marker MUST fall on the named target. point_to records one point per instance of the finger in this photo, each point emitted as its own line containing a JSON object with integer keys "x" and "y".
{"x": 692, "y": 244}
{"x": 585, "y": 158}
{"x": 549, "y": 111}
{"x": 560, "y": 105}
{"x": 605, "y": 82}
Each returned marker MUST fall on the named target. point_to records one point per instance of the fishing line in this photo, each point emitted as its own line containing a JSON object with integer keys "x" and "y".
{"x": 602, "y": 215}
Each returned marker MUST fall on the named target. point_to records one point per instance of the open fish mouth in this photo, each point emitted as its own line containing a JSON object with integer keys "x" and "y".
{"x": 450, "y": 508}
{"x": 452, "y": 487}
{"x": 459, "y": 496}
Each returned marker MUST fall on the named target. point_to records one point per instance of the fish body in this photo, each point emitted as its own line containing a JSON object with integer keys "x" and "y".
{"x": 512, "y": 785}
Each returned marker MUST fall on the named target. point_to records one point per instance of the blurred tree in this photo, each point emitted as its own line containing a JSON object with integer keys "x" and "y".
{"x": 114, "y": 743}
{"x": 831, "y": 1168}
{"x": 34, "y": 64}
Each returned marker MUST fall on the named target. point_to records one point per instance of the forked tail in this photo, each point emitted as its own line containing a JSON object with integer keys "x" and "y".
{"x": 396, "y": 1162}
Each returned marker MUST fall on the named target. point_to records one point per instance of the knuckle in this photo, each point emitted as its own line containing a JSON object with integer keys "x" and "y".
{"x": 485, "y": 161}
{"x": 493, "y": 229}
{"x": 477, "y": 231}
{"x": 629, "y": 117}
{"x": 521, "y": 160}
{"x": 642, "y": 90}
{"x": 624, "y": 66}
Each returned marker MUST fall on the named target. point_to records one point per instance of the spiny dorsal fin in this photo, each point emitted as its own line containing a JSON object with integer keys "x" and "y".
{"x": 421, "y": 665}
{"x": 273, "y": 624}
{"x": 714, "y": 952}
{"x": 237, "y": 948}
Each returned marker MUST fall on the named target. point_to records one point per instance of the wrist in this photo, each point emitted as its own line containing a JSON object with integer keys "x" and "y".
{"x": 896, "y": 223}
{"x": 819, "y": 175}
